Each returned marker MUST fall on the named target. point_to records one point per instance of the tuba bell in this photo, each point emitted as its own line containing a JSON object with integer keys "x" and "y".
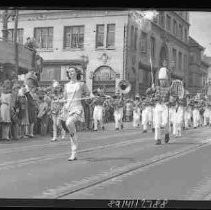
{"x": 124, "y": 87}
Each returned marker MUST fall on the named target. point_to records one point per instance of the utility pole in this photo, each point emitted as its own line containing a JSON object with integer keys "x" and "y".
{"x": 5, "y": 17}
{"x": 15, "y": 41}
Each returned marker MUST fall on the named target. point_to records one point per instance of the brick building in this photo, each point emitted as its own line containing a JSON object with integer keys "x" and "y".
{"x": 107, "y": 45}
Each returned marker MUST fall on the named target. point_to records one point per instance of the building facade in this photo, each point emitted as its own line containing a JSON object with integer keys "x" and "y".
{"x": 108, "y": 46}
{"x": 198, "y": 67}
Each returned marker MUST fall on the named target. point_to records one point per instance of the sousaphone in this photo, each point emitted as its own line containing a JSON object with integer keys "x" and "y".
{"x": 124, "y": 87}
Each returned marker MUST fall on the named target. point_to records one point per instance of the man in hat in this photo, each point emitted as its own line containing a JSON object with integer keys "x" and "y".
{"x": 207, "y": 114}
{"x": 31, "y": 82}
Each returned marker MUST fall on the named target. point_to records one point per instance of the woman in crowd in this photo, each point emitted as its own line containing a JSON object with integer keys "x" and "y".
{"x": 73, "y": 111}
{"x": 5, "y": 109}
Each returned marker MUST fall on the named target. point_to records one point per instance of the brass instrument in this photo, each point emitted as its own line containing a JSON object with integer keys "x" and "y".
{"x": 124, "y": 87}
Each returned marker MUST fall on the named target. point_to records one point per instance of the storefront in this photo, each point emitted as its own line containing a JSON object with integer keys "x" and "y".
{"x": 104, "y": 77}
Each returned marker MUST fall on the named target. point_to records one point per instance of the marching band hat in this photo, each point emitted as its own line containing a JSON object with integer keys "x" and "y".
{"x": 137, "y": 96}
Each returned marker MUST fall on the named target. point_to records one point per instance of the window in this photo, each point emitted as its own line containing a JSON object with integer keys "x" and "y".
{"x": 19, "y": 35}
{"x": 186, "y": 35}
{"x": 135, "y": 39}
{"x": 100, "y": 36}
{"x": 174, "y": 52}
{"x": 132, "y": 37}
{"x": 110, "y": 35}
{"x": 180, "y": 61}
{"x": 44, "y": 37}
{"x": 175, "y": 28}
{"x": 152, "y": 41}
{"x": 168, "y": 23}
{"x": 144, "y": 42}
{"x": 162, "y": 20}
{"x": 180, "y": 32}
{"x": 73, "y": 37}
{"x": 185, "y": 63}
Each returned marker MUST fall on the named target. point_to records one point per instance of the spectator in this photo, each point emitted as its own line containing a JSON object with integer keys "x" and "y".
{"x": 15, "y": 112}
{"x": 30, "y": 44}
{"x": 5, "y": 109}
{"x": 23, "y": 114}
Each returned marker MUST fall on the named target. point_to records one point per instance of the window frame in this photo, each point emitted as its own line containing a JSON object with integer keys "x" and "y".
{"x": 71, "y": 28}
{"x": 142, "y": 41}
{"x": 18, "y": 37}
{"x": 47, "y": 40}
{"x": 105, "y": 36}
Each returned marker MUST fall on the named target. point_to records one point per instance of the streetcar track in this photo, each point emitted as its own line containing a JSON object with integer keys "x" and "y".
{"x": 24, "y": 162}
{"x": 92, "y": 181}
{"x": 60, "y": 143}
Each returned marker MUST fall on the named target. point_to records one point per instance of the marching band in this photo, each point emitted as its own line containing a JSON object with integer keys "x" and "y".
{"x": 165, "y": 108}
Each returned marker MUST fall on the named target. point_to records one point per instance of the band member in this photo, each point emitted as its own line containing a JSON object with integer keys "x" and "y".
{"x": 161, "y": 112}
{"x": 128, "y": 110}
{"x": 118, "y": 104}
{"x": 188, "y": 114}
{"x": 147, "y": 113}
{"x": 207, "y": 114}
{"x": 196, "y": 115}
{"x": 98, "y": 103}
{"x": 73, "y": 111}
{"x": 136, "y": 112}
{"x": 172, "y": 104}
{"x": 178, "y": 117}
{"x": 56, "y": 110}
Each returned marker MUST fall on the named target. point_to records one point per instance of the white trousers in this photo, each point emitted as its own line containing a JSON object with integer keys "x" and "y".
{"x": 178, "y": 117}
{"x": 98, "y": 116}
{"x": 118, "y": 115}
{"x": 207, "y": 114}
{"x": 147, "y": 117}
{"x": 136, "y": 117}
{"x": 160, "y": 120}
{"x": 187, "y": 118}
{"x": 196, "y": 118}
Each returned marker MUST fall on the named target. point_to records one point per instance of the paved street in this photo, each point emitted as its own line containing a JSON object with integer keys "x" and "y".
{"x": 111, "y": 165}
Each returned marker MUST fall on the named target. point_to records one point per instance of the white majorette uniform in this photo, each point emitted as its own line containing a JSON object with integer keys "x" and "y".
{"x": 136, "y": 112}
{"x": 147, "y": 114}
{"x": 73, "y": 110}
{"x": 98, "y": 103}
{"x": 196, "y": 115}
{"x": 178, "y": 118}
{"x": 118, "y": 104}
